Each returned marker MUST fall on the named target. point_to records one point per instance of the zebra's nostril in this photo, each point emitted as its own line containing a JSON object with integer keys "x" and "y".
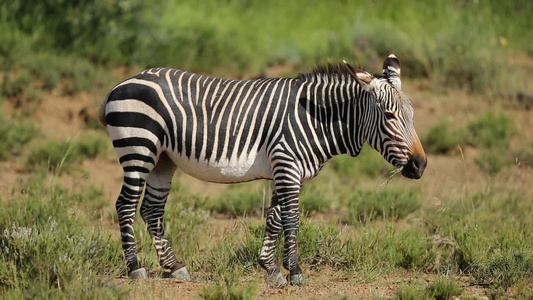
{"x": 418, "y": 162}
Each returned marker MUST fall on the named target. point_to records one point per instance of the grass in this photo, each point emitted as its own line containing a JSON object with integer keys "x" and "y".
{"x": 61, "y": 156}
{"x": 387, "y": 202}
{"x": 210, "y": 37}
{"x": 50, "y": 252}
{"x": 239, "y": 200}
{"x": 15, "y": 135}
{"x": 441, "y": 288}
{"x": 490, "y": 133}
{"x": 54, "y": 243}
{"x": 368, "y": 163}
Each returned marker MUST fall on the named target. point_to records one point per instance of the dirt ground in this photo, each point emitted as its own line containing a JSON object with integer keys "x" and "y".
{"x": 61, "y": 116}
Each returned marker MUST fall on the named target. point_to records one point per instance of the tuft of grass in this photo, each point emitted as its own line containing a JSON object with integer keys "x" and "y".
{"x": 388, "y": 202}
{"x": 443, "y": 288}
{"x": 229, "y": 291}
{"x": 408, "y": 292}
{"x": 47, "y": 249}
{"x": 440, "y": 139}
{"x": 14, "y": 136}
{"x": 489, "y": 130}
{"x": 490, "y": 133}
{"x": 493, "y": 160}
{"x": 369, "y": 163}
{"x": 55, "y": 156}
{"x": 61, "y": 156}
{"x": 238, "y": 200}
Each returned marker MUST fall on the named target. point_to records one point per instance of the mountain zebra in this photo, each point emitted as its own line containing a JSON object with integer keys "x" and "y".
{"x": 229, "y": 131}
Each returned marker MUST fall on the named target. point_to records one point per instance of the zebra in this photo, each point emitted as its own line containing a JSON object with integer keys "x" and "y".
{"x": 228, "y": 131}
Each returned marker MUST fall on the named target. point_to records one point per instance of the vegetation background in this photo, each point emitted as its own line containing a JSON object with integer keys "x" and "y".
{"x": 464, "y": 230}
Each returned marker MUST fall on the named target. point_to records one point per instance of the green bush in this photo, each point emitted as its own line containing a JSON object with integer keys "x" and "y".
{"x": 490, "y": 130}
{"x": 443, "y": 288}
{"x": 369, "y": 163}
{"x": 210, "y": 37}
{"x": 59, "y": 156}
{"x": 55, "y": 156}
{"x": 492, "y": 160}
{"x": 47, "y": 249}
{"x": 388, "y": 202}
{"x": 440, "y": 140}
{"x": 238, "y": 201}
{"x": 409, "y": 293}
{"x": 15, "y": 135}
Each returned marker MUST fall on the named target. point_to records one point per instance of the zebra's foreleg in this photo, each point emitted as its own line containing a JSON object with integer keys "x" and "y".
{"x": 266, "y": 258}
{"x": 288, "y": 191}
{"x": 152, "y": 212}
{"x": 291, "y": 221}
{"x": 126, "y": 206}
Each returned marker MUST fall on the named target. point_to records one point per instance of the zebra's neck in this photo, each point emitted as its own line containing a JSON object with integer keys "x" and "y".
{"x": 334, "y": 112}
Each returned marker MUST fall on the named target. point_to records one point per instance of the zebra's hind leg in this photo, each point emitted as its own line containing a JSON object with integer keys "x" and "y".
{"x": 273, "y": 276}
{"x": 152, "y": 212}
{"x": 126, "y": 206}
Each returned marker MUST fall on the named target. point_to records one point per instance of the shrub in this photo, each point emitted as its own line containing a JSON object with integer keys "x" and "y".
{"x": 443, "y": 288}
{"x": 238, "y": 201}
{"x": 409, "y": 293}
{"x": 369, "y": 162}
{"x": 492, "y": 160}
{"x": 492, "y": 129}
{"x": 47, "y": 249}
{"x": 388, "y": 202}
{"x": 55, "y": 156}
{"x": 59, "y": 156}
{"x": 14, "y": 136}
{"x": 440, "y": 140}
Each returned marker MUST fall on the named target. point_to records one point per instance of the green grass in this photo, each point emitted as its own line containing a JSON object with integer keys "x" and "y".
{"x": 442, "y": 288}
{"x": 239, "y": 200}
{"x": 382, "y": 202}
{"x": 48, "y": 250}
{"x": 490, "y": 133}
{"x": 60, "y": 156}
{"x": 210, "y": 37}
{"x": 368, "y": 163}
{"x": 15, "y": 135}
{"x": 441, "y": 139}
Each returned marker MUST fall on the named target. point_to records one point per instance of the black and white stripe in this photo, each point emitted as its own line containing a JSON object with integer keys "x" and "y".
{"x": 228, "y": 131}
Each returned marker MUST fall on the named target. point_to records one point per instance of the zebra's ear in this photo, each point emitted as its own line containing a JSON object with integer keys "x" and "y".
{"x": 364, "y": 79}
{"x": 392, "y": 70}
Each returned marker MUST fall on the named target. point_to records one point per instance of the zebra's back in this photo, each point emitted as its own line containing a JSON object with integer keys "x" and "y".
{"x": 215, "y": 129}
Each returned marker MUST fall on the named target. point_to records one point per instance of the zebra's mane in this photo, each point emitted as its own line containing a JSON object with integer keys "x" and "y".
{"x": 328, "y": 72}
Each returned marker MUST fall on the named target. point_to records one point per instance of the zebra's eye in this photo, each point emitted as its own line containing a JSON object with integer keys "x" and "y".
{"x": 389, "y": 115}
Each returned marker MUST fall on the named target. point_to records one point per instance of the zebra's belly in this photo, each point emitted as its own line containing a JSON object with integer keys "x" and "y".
{"x": 241, "y": 169}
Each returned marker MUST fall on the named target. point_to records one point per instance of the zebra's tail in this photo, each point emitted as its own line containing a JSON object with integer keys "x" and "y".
{"x": 101, "y": 114}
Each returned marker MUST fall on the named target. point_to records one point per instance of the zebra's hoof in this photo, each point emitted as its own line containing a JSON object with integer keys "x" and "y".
{"x": 275, "y": 279}
{"x": 181, "y": 274}
{"x": 140, "y": 273}
{"x": 296, "y": 279}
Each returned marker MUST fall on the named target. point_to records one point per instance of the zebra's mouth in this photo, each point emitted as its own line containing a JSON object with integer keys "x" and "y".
{"x": 414, "y": 169}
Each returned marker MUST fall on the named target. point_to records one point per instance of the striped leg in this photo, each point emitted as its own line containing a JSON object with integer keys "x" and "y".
{"x": 152, "y": 212}
{"x": 288, "y": 199}
{"x": 126, "y": 209}
{"x": 266, "y": 258}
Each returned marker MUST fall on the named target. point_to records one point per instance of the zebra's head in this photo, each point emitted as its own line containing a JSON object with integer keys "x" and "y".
{"x": 389, "y": 128}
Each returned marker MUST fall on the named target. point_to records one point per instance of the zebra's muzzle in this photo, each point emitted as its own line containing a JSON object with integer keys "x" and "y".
{"x": 414, "y": 169}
